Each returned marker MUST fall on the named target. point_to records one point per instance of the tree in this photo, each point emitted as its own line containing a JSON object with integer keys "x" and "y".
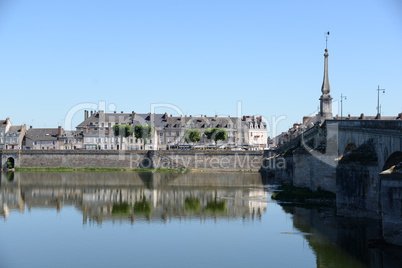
{"x": 143, "y": 132}
{"x": 122, "y": 131}
{"x": 192, "y": 135}
{"x": 216, "y": 134}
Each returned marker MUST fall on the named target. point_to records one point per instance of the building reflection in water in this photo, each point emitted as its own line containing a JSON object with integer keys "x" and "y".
{"x": 343, "y": 242}
{"x": 130, "y": 196}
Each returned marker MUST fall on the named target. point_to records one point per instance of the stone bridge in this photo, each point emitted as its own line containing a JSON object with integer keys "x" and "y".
{"x": 386, "y": 136}
{"x": 358, "y": 160}
{"x": 335, "y": 138}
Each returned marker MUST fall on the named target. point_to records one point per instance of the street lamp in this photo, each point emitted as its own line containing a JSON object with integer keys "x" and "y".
{"x": 378, "y": 99}
{"x": 342, "y": 98}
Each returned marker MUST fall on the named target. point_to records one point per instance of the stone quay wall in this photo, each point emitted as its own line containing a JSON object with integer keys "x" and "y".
{"x": 177, "y": 159}
{"x": 313, "y": 172}
{"x": 358, "y": 191}
{"x": 391, "y": 207}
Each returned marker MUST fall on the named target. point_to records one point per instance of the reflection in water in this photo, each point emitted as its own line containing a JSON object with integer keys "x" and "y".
{"x": 133, "y": 196}
{"x": 346, "y": 242}
{"x": 129, "y": 197}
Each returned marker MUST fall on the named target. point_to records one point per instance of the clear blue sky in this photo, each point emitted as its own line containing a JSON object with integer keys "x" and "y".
{"x": 201, "y": 56}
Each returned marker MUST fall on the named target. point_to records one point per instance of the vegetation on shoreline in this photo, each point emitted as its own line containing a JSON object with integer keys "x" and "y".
{"x": 290, "y": 193}
{"x": 94, "y": 169}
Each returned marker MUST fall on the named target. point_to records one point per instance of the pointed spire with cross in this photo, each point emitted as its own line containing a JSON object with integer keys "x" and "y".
{"x": 326, "y": 99}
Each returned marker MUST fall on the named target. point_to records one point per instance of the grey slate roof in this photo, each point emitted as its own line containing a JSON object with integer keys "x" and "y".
{"x": 42, "y": 134}
{"x": 96, "y": 119}
{"x": 14, "y": 129}
{"x": 201, "y": 122}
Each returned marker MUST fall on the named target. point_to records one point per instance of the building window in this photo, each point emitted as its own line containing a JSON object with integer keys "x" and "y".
{"x": 105, "y": 146}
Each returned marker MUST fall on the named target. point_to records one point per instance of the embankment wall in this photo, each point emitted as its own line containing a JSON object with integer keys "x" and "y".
{"x": 193, "y": 159}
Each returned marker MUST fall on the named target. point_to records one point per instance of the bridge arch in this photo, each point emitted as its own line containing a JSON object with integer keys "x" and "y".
{"x": 393, "y": 159}
{"x": 10, "y": 163}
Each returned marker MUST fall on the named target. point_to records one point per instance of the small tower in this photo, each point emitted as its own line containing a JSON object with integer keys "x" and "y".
{"x": 325, "y": 99}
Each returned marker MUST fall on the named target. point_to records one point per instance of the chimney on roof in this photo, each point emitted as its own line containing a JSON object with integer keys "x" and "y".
{"x": 181, "y": 117}
{"x": 216, "y": 115}
{"x": 361, "y": 116}
{"x": 121, "y": 112}
{"x": 244, "y": 118}
{"x": 114, "y": 112}
{"x": 59, "y": 131}
{"x": 92, "y": 112}
{"x": 170, "y": 115}
{"x": 399, "y": 116}
{"x": 101, "y": 113}
{"x": 86, "y": 115}
{"x": 30, "y": 127}
{"x": 348, "y": 116}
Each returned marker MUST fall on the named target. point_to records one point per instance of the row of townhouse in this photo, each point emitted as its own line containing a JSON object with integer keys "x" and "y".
{"x": 96, "y": 132}
{"x": 248, "y": 132}
{"x": 11, "y": 137}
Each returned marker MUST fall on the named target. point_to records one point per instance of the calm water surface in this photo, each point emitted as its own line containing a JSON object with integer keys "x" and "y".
{"x": 173, "y": 220}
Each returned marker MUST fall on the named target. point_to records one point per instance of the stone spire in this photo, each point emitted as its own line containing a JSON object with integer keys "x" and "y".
{"x": 325, "y": 99}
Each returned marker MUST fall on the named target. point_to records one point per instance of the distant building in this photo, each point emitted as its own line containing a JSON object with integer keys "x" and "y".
{"x": 70, "y": 140}
{"x": 4, "y": 127}
{"x": 248, "y": 132}
{"x": 52, "y": 139}
{"x": 97, "y": 130}
{"x": 11, "y": 137}
{"x": 41, "y": 139}
{"x": 14, "y": 137}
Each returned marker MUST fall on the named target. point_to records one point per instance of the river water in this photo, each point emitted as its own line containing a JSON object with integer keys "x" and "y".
{"x": 128, "y": 219}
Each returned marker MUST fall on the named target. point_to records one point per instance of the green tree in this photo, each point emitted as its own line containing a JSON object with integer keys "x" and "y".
{"x": 216, "y": 134}
{"x": 192, "y": 135}
{"x": 143, "y": 132}
{"x": 122, "y": 131}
